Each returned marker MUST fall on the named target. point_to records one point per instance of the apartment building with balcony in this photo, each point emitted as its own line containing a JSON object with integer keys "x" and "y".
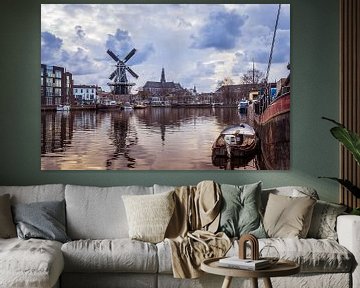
{"x": 56, "y": 86}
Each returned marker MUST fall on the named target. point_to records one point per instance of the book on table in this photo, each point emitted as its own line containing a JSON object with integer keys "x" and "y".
{"x": 236, "y": 262}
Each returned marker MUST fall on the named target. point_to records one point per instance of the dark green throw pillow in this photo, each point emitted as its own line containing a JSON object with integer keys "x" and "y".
{"x": 240, "y": 210}
{"x": 43, "y": 220}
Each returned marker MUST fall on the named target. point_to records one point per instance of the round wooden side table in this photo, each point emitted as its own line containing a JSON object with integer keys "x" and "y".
{"x": 281, "y": 268}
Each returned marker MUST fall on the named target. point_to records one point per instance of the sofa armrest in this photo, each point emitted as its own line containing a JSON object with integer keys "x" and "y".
{"x": 348, "y": 230}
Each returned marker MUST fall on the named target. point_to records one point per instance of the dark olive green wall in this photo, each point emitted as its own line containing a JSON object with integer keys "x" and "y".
{"x": 315, "y": 69}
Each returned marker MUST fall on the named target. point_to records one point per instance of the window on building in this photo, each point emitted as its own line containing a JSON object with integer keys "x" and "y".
{"x": 49, "y": 100}
{"x": 49, "y": 71}
{"x": 57, "y": 100}
{"x": 49, "y": 82}
{"x": 57, "y": 83}
{"x": 57, "y": 91}
{"x": 49, "y": 91}
{"x": 58, "y": 74}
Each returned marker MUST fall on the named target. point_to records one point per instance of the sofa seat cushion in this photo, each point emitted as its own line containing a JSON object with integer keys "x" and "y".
{"x": 313, "y": 255}
{"x": 110, "y": 255}
{"x": 30, "y": 263}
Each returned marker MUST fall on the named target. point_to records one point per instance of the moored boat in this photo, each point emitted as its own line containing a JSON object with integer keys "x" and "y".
{"x": 243, "y": 106}
{"x": 217, "y": 104}
{"x": 236, "y": 141}
{"x": 139, "y": 106}
{"x": 108, "y": 105}
{"x": 273, "y": 126}
{"x": 127, "y": 106}
{"x": 63, "y": 108}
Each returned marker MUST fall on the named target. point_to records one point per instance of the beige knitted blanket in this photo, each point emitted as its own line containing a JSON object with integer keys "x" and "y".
{"x": 191, "y": 231}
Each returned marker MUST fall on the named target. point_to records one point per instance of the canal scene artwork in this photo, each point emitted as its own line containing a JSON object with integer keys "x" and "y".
{"x": 165, "y": 87}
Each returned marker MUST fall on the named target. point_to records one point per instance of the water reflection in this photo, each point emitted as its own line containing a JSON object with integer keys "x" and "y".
{"x": 151, "y": 138}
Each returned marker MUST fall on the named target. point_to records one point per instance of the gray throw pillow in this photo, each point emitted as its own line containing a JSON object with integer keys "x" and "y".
{"x": 240, "y": 213}
{"x": 44, "y": 220}
{"x": 323, "y": 222}
{"x": 7, "y": 226}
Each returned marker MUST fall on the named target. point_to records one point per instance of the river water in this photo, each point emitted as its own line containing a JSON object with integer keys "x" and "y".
{"x": 142, "y": 139}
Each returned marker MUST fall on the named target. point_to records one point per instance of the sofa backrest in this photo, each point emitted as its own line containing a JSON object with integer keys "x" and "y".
{"x": 98, "y": 212}
{"x": 35, "y": 193}
{"x": 163, "y": 188}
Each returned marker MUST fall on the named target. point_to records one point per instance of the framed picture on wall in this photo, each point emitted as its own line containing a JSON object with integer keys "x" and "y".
{"x": 165, "y": 86}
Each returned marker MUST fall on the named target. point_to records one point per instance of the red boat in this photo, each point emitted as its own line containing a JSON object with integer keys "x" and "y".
{"x": 273, "y": 127}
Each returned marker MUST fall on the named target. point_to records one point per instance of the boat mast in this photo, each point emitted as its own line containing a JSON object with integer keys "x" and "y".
{"x": 272, "y": 45}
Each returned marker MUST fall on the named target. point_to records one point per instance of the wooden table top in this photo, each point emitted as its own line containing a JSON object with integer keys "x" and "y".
{"x": 281, "y": 268}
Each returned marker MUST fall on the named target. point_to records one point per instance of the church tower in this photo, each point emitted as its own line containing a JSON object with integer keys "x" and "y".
{"x": 162, "y": 80}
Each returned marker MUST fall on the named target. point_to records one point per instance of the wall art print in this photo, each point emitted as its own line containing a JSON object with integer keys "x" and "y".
{"x": 165, "y": 86}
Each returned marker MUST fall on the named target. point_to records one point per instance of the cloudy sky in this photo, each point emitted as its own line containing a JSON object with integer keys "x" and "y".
{"x": 198, "y": 45}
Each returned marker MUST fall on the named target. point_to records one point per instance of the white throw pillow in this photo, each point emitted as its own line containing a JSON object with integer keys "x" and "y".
{"x": 149, "y": 215}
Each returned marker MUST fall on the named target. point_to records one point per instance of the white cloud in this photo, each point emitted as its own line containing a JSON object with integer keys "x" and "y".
{"x": 177, "y": 37}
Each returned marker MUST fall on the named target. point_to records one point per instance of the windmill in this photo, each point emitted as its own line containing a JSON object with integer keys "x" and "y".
{"x": 120, "y": 83}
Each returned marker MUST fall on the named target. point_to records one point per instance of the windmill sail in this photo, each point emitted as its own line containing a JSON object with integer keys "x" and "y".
{"x": 132, "y": 52}
{"x": 113, "y": 55}
{"x": 132, "y": 72}
{"x": 113, "y": 74}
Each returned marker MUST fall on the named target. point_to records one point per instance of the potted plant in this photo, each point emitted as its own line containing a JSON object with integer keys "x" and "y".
{"x": 351, "y": 141}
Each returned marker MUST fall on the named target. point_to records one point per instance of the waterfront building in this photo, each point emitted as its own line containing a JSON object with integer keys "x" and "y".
{"x": 56, "y": 86}
{"x": 162, "y": 88}
{"x": 85, "y": 94}
{"x": 233, "y": 93}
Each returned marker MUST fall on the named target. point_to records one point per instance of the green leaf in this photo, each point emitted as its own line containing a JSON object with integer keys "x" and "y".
{"x": 349, "y": 139}
{"x": 355, "y": 211}
{"x": 347, "y": 184}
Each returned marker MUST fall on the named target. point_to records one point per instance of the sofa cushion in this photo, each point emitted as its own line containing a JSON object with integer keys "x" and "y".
{"x": 149, "y": 215}
{"x": 313, "y": 255}
{"x": 30, "y": 263}
{"x": 323, "y": 222}
{"x": 34, "y": 193}
{"x": 116, "y": 255}
{"x": 290, "y": 191}
{"x": 240, "y": 210}
{"x": 44, "y": 220}
{"x": 98, "y": 213}
{"x": 7, "y": 226}
{"x": 164, "y": 257}
{"x": 287, "y": 216}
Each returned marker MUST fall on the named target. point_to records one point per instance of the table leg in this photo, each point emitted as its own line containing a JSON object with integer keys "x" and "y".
{"x": 254, "y": 282}
{"x": 227, "y": 282}
{"x": 267, "y": 283}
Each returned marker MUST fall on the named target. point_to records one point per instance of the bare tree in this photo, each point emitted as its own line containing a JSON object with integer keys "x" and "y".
{"x": 253, "y": 76}
{"x": 225, "y": 82}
